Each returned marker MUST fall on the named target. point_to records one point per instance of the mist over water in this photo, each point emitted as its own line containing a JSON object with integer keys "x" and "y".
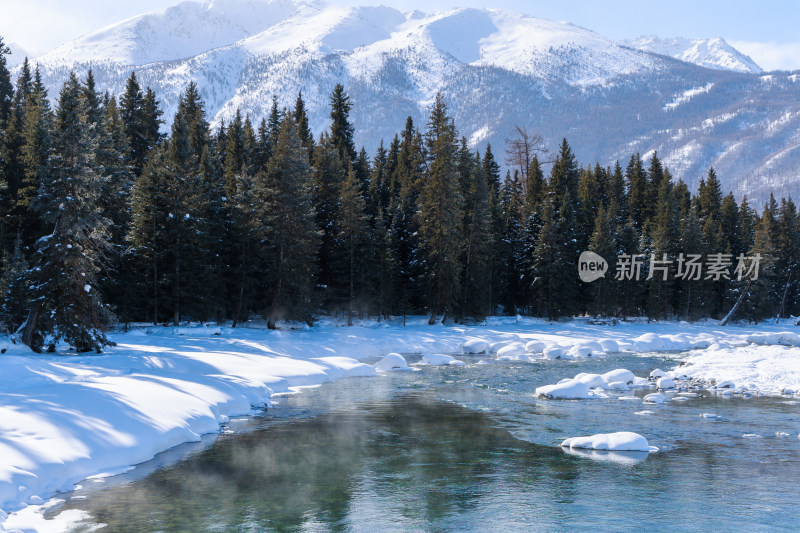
{"x": 470, "y": 449}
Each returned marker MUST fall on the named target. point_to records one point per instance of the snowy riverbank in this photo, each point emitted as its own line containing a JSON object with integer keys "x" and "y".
{"x": 64, "y": 418}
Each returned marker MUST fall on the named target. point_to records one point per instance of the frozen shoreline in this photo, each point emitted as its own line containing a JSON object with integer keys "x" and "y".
{"x": 64, "y": 418}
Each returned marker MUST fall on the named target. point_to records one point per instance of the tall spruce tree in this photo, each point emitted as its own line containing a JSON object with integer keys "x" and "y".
{"x": 341, "y": 128}
{"x": 6, "y": 89}
{"x": 68, "y": 302}
{"x": 440, "y": 213}
{"x": 286, "y": 218}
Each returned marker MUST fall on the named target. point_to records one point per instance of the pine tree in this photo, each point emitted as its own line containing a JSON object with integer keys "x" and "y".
{"x": 6, "y": 89}
{"x": 510, "y": 248}
{"x": 709, "y": 196}
{"x": 353, "y": 234}
{"x": 328, "y": 175}
{"x": 638, "y": 192}
{"x": 14, "y": 293}
{"x": 440, "y": 213}
{"x": 286, "y": 215}
{"x": 36, "y": 160}
{"x": 341, "y": 128}
{"x": 603, "y": 242}
{"x": 480, "y": 245}
{"x": 69, "y": 259}
{"x": 303, "y": 131}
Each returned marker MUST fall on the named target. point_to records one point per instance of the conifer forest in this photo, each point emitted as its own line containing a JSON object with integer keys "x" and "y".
{"x": 105, "y": 220}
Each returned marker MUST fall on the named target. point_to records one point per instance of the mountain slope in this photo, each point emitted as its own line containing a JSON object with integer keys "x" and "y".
{"x": 710, "y": 53}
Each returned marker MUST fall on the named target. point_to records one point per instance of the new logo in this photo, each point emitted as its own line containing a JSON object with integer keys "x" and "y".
{"x": 591, "y": 267}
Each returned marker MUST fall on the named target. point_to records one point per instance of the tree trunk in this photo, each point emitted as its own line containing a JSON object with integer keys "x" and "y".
{"x": 273, "y": 313}
{"x": 730, "y": 314}
{"x": 27, "y": 331}
{"x": 783, "y": 299}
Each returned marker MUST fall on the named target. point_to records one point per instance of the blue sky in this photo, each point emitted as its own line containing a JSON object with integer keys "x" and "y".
{"x": 766, "y": 30}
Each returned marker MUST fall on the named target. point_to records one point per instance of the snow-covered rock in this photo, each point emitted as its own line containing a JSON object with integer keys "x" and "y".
{"x": 592, "y": 380}
{"x": 440, "y": 359}
{"x": 514, "y": 349}
{"x": 570, "y": 390}
{"x": 609, "y": 345}
{"x": 620, "y": 374}
{"x": 392, "y": 361}
{"x": 657, "y": 373}
{"x": 665, "y": 383}
{"x": 535, "y": 346}
{"x": 580, "y": 351}
{"x": 475, "y": 346}
{"x": 619, "y": 441}
{"x": 656, "y": 397}
{"x": 553, "y": 351}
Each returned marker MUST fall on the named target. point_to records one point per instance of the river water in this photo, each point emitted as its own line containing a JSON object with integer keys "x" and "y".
{"x": 469, "y": 449}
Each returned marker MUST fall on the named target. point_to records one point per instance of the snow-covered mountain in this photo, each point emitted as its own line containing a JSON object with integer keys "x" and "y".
{"x": 17, "y": 56}
{"x": 495, "y": 69}
{"x": 710, "y": 53}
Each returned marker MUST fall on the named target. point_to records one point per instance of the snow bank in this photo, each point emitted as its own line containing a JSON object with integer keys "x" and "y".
{"x": 619, "y": 441}
{"x": 767, "y": 368}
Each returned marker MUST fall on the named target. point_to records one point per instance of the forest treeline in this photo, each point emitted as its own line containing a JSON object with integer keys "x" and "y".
{"x": 104, "y": 219}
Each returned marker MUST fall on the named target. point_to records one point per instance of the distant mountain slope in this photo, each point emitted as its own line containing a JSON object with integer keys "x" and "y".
{"x": 713, "y": 53}
{"x": 495, "y": 69}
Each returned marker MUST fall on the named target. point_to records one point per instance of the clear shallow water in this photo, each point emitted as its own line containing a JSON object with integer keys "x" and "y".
{"x": 471, "y": 449}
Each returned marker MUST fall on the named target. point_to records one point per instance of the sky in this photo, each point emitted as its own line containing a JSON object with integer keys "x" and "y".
{"x": 766, "y": 30}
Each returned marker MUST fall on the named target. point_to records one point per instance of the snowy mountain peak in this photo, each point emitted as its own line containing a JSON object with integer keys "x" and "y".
{"x": 713, "y": 53}
{"x": 181, "y": 31}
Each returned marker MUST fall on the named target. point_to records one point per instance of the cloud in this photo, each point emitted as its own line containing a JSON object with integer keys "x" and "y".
{"x": 771, "y": 55}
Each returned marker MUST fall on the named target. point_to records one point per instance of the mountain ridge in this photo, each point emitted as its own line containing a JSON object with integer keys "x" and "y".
{"x": 495, "y": 68}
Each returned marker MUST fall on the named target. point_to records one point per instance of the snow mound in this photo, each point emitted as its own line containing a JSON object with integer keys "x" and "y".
{"x": 620, "y": 374}
{"x": 475, "y": 346}
{"x": 656, "y": 397}
{"x": 569, "y": 390}
{"x": 440, "y": 359}
{"x": 619, "y": 441}
{"x": 535, "y": 346}
{"x": 784, "y": 338}
{"x": 650, "y": 342}
{"x": 553, "y": 351}
{"x": 609, "y": 345}
{"x": 513, "y": 350}
{"x": 665, "y": 383}
{"x": 657, "y": 373}
{"x": 592, "y": 380}
{"x": 392, "y": 361}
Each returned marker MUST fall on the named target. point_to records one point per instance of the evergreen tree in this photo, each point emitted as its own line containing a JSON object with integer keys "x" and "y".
{"x": 341, "y": 128}
{"x": 353, "y": 235}
{"x": 69, "y": 259}
{"x": 440, "y": 213}
{"x": 638, "y": 192}
{"x": 303, "y": 131}
{"x": 328, "y": 175}
{"x": 14, "y": 293}
{"x": 6, "y": 89}
{"x": 480, "y": 244}
{"x": 286, "y": 214}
